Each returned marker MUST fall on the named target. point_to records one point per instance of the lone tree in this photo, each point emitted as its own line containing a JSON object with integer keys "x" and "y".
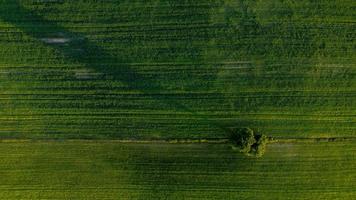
{"x": 249, "y": 142}
{"x": 243, "y": 138}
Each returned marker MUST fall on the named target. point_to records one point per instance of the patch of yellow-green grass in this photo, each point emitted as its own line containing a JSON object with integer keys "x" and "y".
{"x": 111, "y": 170}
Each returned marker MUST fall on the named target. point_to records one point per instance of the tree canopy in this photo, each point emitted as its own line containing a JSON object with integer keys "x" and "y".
{"x": 249, "y": 142}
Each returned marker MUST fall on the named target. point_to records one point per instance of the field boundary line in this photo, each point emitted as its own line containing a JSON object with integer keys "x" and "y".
{"x": 181, "y": 141}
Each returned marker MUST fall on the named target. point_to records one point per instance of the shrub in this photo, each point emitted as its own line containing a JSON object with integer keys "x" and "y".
{"x": 259, "y": 148}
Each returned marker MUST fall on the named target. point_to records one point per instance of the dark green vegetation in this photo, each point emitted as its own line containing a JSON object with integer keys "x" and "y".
{"x": 106, "y": 170}
{"x": 176, "y": 69}
{"x": 243, "y": 138}
{"x": 248, "y": 141}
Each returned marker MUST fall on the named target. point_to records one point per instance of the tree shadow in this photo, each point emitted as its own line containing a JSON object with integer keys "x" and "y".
{"x": 77, "y": 48}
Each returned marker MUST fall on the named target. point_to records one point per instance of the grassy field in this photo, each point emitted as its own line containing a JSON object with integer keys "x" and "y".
{"x": 109, "y": 170}
{"x": 176, "y": 69}
{"x": 77, "y": 78}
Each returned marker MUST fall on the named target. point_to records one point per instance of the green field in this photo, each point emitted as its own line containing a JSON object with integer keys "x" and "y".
{"x": 176, "y": 69}
{"x": 123, "y": 99}
{"x": 109, "y": 170}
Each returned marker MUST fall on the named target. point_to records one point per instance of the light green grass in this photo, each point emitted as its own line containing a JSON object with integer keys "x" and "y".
{"x": 110, "y": 170}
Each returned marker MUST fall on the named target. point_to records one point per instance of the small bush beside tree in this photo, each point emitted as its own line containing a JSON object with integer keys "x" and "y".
{"x": 259, "y": 148}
